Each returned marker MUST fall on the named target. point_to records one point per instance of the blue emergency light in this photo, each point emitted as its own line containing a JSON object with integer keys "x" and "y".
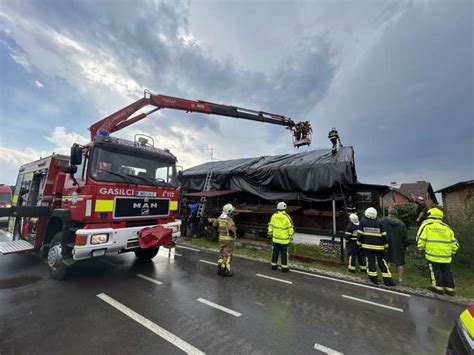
{"x": 102, "y": 133}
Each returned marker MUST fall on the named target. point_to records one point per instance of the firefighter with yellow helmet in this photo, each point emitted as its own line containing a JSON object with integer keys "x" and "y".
{"x": 227, "y": 234}
{"x": 354, "y": 250}
{"x": 437, "y": 240}
{"x": 281, "y": 230}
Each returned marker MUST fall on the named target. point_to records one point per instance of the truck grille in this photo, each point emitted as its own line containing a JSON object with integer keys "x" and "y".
{"x": 132, "y": 207}
{"x": 141, "y": 223}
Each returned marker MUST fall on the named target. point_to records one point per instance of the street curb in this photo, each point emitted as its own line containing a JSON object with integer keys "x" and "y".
{"x": 458, "y": 300}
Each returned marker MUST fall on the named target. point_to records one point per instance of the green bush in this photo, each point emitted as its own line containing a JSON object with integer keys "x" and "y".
{"x": 463, "y": 228}
{"x": 407, "y": 213}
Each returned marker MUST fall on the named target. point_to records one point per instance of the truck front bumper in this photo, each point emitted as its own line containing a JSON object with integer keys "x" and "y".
{"x": 118, "y": 241}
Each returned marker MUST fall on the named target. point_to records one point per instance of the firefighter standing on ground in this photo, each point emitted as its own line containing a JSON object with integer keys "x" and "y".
{"x": 227, "y": 234}
{"x": 437, "y": 239}
{"x": 373, "y": 240}
{"x": 281, "y": 230}
{"x": 353, "y": 250}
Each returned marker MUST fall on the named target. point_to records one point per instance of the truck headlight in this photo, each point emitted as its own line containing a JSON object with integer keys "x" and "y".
{"x": 174, "y": 229}
{"x": 99, "y": 238}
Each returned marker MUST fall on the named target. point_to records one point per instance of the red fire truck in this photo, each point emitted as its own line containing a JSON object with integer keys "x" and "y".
{"x": 111, "y": 195}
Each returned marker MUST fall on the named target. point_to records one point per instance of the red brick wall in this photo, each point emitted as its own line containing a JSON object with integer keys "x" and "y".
{"x": 399, "y": 199}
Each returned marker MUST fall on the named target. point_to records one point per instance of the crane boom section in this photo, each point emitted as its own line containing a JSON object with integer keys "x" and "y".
{"x": 123, "y": 117}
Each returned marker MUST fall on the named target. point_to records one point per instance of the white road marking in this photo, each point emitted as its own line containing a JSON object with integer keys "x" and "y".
{"x": 155, "y": 328}
{"x": 188, "y": 248}
{"x": 208, "y": 262}
{"x": 274, "y": 278}
{"x": 373, "y": 303}
{"x": 352, "y": 283}
{"x": 326, "y": 350}
{"x": 150, "y": 279}
{"x": 176, "y": 254}
{"x": 219, "y": 307}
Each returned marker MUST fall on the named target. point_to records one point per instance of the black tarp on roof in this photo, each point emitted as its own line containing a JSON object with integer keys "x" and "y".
{"x": 307, "y": 176}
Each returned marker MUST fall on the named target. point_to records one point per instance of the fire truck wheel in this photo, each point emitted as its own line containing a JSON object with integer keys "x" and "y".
{"x": 57, "y": 268}
{"x": 146, "y": 254}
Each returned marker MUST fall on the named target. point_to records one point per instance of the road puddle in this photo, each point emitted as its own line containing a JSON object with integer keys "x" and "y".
{"x": 19, "y": 281}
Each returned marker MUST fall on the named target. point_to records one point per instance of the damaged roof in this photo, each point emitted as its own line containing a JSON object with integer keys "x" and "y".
{"x": 288, "y": 176}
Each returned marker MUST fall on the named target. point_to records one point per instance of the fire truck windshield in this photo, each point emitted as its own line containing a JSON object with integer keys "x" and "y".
{"x": 5, "y": 197}
{"x": 116, "y": 165}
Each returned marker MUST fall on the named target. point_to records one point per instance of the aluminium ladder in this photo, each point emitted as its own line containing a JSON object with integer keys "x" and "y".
{"x": 202, "y": 202}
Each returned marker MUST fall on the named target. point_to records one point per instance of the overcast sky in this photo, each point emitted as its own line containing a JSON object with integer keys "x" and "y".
{"x": 394, "y": 77}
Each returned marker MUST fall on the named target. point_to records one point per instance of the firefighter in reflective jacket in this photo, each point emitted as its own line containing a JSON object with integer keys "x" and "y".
{"x": 373, "y": 240}
{"x": 227, "y": 235}
{"x": 281, "y": 230}
{"x": 437, "y": 239}
{"x": 353, "y": 249}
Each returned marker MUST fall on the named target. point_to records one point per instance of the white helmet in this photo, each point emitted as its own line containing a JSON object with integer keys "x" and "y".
{"x": 281, "y": 206}
{"x": 228, "y": 209}
{"x": 371, "y": 213}
{"x": 354, "y": 219}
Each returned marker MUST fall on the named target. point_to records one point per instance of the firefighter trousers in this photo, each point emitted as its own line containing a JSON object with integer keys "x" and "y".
{"x": 225, "y": 255}
{"x": 441, "y": 276}
{"x": 373, "y": 258}
{"x": 280, "y": 249}
{"x": 355, "y": 255}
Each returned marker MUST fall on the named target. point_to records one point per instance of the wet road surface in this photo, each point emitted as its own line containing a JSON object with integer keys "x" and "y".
{"x": 177, "y": 304}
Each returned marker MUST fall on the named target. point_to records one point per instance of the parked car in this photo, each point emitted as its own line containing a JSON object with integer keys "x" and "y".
{"x": 5, "y": 199}
{"x": 461, "y": 340}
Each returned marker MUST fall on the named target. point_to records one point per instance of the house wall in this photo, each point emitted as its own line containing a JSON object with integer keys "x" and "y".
{"x": 429, "y": 201}
{"x": 393, "y": 198}
{"x": 455, "y": 202}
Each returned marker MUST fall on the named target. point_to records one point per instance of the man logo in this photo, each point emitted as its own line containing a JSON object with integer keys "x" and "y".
{"x": 145, "y": 207}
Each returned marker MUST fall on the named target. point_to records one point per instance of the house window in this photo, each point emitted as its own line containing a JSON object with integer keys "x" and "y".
{"x": 389, "y": 198}
{"x": 363, "y": 201}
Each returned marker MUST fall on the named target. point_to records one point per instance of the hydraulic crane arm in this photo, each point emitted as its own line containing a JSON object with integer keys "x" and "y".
{"x": 123, "y": 118}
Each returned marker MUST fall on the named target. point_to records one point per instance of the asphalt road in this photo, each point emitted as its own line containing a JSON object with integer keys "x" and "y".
{"x": 118, "y": 305}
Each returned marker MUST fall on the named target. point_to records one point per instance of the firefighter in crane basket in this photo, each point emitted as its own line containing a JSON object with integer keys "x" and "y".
{"x": 227, "y": 234}
{"x": 305, "y": 129}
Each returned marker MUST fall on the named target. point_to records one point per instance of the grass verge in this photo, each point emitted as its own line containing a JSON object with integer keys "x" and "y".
{"x": 415, "y": 273}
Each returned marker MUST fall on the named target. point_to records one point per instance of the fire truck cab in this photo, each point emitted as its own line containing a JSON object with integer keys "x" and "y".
{"x": 110, "y": 196}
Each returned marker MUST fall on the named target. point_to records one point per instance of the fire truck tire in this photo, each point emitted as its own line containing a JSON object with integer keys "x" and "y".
{"x": 146, "y": 254}
{"x": 57, "y": 268}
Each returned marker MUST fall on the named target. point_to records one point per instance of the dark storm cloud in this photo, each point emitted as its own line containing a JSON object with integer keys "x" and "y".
{"x": 409, "y": 106}
{"x": 394, "y": 77}
{"x": 145, "y": 37}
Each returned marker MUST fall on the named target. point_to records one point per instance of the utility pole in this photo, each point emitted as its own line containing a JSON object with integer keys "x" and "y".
{"x": 212, "y": 152}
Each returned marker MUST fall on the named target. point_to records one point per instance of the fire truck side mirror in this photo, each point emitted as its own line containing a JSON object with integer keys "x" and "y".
{"x": 71, "y": 169}
{"x": 180, "y": 176}
{"x": 76, "y": 155}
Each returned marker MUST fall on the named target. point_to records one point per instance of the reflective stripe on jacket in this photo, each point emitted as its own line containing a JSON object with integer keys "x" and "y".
{"x": 437, "y": 239}
{"x": 371, "y": 235}
{"x": 281, "y": 228}
{"x": 351, "y": 232}
{"x": 227, "y": 228}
